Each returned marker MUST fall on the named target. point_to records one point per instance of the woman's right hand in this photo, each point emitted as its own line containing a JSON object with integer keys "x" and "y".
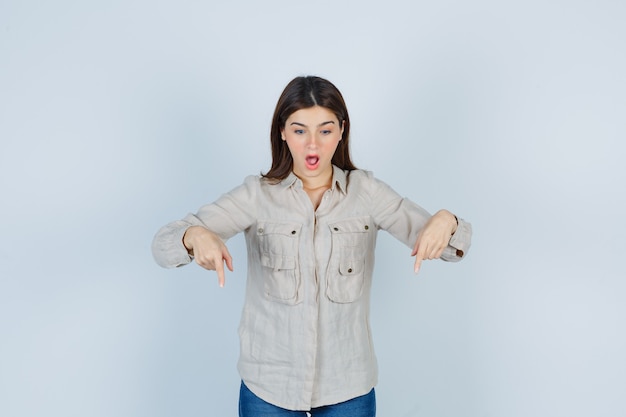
{"x": 208, "y": 250}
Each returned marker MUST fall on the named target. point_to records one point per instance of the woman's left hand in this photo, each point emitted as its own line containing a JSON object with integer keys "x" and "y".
{"x": 434, "y": 237}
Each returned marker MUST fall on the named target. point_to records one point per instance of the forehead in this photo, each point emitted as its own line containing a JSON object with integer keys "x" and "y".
{"x": 312, "y": 116}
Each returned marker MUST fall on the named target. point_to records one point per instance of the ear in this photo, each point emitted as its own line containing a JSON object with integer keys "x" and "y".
{"x": 282, "y": 134}
{"x": 343, "y": 124}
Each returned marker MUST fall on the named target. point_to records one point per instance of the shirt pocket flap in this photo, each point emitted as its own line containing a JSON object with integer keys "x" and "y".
{"x": 354, "y": 225}
{"x": 278, "y": 239}
{"x": 274, "y": 228}
{"x": 349, "y": 267}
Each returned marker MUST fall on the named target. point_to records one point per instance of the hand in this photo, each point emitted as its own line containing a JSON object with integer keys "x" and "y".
{"x": 434, "y": 237}
{"x": 208, "y": 250}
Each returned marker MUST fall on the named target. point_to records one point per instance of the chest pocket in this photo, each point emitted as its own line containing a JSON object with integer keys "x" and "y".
{"x": 278, "y": 245}
{"x": 350, "y": 240}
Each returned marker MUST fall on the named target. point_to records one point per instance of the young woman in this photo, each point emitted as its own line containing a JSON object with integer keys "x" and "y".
{"x": 310, "y": 225}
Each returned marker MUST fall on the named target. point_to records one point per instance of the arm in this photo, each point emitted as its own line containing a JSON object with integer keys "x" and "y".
{"x": 431, "y": 237}
{"x": 179, "y": 242}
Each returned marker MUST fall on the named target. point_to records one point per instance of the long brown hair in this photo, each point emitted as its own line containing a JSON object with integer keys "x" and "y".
{"x": 303, "y": 93}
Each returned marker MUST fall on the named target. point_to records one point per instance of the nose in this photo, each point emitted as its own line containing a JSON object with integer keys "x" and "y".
{"x": 312, "y": 141}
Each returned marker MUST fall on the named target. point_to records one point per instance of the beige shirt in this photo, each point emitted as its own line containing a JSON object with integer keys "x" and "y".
{"x": 304, "y": 332}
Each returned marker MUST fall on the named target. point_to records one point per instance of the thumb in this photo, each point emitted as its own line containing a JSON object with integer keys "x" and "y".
{"x": 228, "y": 258}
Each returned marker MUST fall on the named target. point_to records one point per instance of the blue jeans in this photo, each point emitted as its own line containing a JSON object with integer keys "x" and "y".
{"x": 252, "y": 406}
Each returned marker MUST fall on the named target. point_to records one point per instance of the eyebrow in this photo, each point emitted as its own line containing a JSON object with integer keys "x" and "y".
{"x": 320, "y": 125}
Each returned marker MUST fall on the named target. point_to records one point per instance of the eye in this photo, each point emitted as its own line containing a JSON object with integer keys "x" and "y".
{"x": 326, "y": 132}
{"x": 299, "y": 131}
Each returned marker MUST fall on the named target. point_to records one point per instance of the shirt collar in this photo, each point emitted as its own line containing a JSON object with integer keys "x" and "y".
{"x": 339, "y": 178}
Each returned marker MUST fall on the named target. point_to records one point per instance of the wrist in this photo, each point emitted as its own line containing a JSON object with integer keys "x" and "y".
{"x": 455, "y": 225}
{"x": 188, "y": 239}
{"x": 454, "y": 221}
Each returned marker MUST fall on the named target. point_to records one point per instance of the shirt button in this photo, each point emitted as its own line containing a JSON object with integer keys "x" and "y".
{"x": 367, "y": 227}
{"x": 260, "y": 230}
{"x": 335, "y": 229}
{"x": 293, "y": 232}
{"x": 349, "y": 270}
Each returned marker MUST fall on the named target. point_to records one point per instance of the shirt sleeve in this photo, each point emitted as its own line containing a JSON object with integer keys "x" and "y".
{"x": 232, "y": 213}
{"x": 404, "y": 219}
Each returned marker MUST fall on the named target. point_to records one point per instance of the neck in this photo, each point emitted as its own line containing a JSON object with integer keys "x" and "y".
{"x": 323, "y": 180}
{"x": 316, "y": 187}
{"x": 309, "y": 187}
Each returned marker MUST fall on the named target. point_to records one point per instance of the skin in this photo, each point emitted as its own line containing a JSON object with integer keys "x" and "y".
{"x": 434, "y": 237}
{"x": 208, "y": 250}
{"x": 312, "y": 135}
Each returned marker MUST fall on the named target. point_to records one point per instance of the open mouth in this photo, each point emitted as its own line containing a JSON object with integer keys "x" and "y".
{"x": 312, "y": 161}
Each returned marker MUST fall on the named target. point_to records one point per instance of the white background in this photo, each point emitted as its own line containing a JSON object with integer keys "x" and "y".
{"x": 117, "y": 117}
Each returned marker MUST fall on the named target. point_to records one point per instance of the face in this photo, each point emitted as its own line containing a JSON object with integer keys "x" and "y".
{"x": 312, "y": 136}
